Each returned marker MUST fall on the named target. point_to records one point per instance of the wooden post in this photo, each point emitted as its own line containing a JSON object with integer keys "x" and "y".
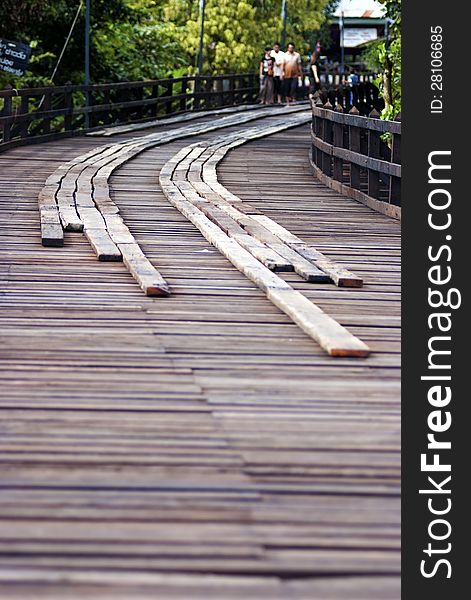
{"x": 196, "y": 93}
{"x": 208, "y": 98}
{"x": 374, "y": 149}
{"x": 345, "y": 101}
{"x": 169, "y": 93}
{"x": 220, "y": 92}
{"x": 24, "y": 110}
{"x": 338, "y": 143}
{"x": 123, "y": 97}
{"x": 254, "y": 82}
{"x": 354, "y": 97}
{"x": 318, "y": 133}
{"x": 395, "y": 182}
{"x": 232, "y": 95}
{"x": 7, "y": 112}
{"x": 355, "y": 146}
{"x": 46, "y": 127}
{"x": 183, "y": 93}
{"x": 376, "y": 102}
{"x": 69, "y": 106}
{"x": 155, "y": 105}
{"x": 106, "y": 114}
{"x": 142, "y": 109}
{"x": 327, "y": 137}
{"x": 361, "y": 99}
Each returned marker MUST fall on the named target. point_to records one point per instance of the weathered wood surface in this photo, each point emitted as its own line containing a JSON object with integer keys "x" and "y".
{"x": 198, "y": 446}
{"x": 76, "y": 196}
{"x": 193, "y": 189}
{"x": 164, "y": 121}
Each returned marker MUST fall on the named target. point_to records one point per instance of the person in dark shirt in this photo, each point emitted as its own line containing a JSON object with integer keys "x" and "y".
{"x": 267, "y": 67}
{"x": 314, "y": 75}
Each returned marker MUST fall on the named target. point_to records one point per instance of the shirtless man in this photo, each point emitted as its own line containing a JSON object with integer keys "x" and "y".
{"x": 291, "y": 71}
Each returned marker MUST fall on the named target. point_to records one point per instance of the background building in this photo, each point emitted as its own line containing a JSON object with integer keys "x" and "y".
{"x": 363, "y": 22}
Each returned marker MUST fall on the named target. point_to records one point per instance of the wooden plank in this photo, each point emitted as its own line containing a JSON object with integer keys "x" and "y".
{"x": 267, "y": 256}
{"x": 302, "y": 266}
{"x": 340, "y": 276}
{"x": 334, "y": 338}
{"x": 222, "y": 216}
{"x": 149, "y": 279}
{"x": 331, "y": 336}
{"x": 70, "y": 219}
{"x": 102, "y": 244}
{"x": 52, "y": 233}
{"x": 300, "y": 261}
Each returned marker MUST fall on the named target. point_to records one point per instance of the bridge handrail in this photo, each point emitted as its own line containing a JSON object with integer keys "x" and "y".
{"x": 30, "y": 115}
{"x": 358, "y": 156}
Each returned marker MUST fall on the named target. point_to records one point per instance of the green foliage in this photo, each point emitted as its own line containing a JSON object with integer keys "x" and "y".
{"x": 142, "y": 39}
{"x": 237, "y": 30}
{"x": 44, "y": 24}
{"x": 131, "y": 51}
{"x": 385, "y": 58}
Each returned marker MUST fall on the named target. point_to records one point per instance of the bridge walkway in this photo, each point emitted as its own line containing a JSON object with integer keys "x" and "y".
{"x": 200, "y": 445}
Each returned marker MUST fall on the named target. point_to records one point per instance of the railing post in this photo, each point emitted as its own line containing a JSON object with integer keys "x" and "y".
{"x": 355, "y": 146}
{"x": 46, "y": 128}
{"x": 142, "y": 109}
{"x": 354, "y": 97}
{"x": 69, "y": 106}
{"x": 395, "y": 182}
{"x": 318, "y": 129}
{"x": 197, "y": 93}
{"x": 7, "y": 112}
{"x": 231, "y": 90}
{"x": 338, "y": 143}
{"x": 376, "y": 101}
{"x": 374, "y": 148}
{"x": 106, "y": 114}
{"x": 208, "y": 88}
{"x": 155, "y": 105}
{"x": 123, "y": 97}
{"x": 220, "y": 92}
{"x": 183, "y": 94}
{"x": 169, "y": 93}
{"x": 327, "y": 137}
{"x": 24, "y": 109}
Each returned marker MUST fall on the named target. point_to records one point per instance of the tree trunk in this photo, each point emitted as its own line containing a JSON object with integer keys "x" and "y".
{"x": 387, "y": 83}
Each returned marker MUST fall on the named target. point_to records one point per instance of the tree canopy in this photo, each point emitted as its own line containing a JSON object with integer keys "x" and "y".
{"x": 142, "y": 39}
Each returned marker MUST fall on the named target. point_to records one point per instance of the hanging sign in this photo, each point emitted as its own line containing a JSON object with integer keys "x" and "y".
{"x": 355, "y": 36}
{"x": 14, "y": 57}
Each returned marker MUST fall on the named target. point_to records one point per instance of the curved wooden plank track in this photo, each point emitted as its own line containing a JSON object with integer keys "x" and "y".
{"x": 200, "y": 445}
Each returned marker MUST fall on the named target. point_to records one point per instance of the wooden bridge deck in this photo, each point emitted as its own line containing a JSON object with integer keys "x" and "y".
{"x": 201, "y": 445}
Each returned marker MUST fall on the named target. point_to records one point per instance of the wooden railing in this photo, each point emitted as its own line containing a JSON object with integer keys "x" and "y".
{"x": 364, "y": 96}
{"x": 38, "y": 114}
{"x": 335, "y": 79}
{"x": 358, "y": 156}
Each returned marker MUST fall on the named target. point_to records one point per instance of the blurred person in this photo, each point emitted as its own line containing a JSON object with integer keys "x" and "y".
{"x": 267, "y": 65}
{"x": 292, "y": 72}
{"x": 279, "y": 57}
{"x": 314, "y": 75}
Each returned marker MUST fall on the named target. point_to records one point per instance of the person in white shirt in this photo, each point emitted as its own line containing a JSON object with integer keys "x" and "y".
{"x": 279, "y": 57}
